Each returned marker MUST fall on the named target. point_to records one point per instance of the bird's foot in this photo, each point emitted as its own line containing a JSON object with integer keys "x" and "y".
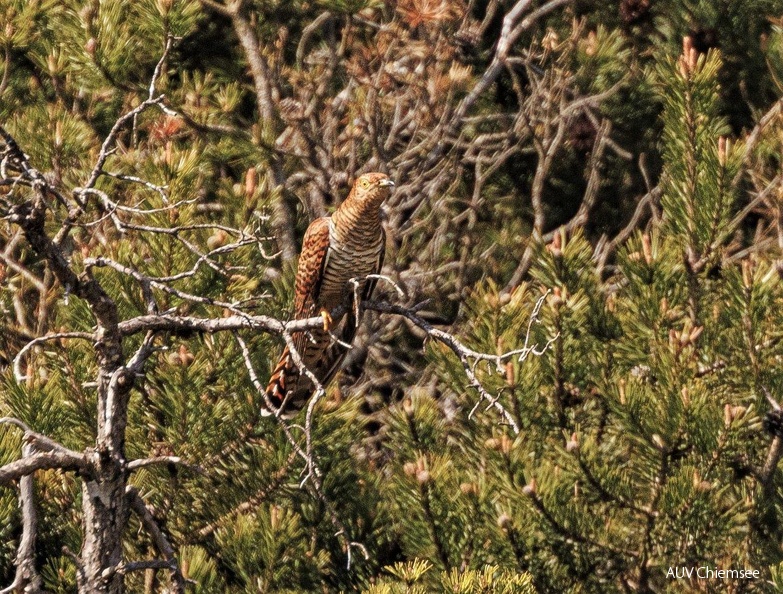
{"x": 327, "y": 320}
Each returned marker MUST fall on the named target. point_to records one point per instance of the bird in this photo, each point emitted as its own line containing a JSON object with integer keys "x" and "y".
{"x": 349, "y": 244}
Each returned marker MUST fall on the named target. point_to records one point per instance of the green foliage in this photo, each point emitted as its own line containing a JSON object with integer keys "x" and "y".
{"x": 700, "y": 164}
{"x": 268, "y": 551}
{"x": 415, "y": 578}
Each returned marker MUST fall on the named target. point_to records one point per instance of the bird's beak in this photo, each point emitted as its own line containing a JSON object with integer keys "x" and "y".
{"x": 386, "y": 183}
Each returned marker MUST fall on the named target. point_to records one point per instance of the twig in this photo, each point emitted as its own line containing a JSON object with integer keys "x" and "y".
{"x": 469, "y": 357}
{"x": 755, "y": 135}
{"x": 601, "y": 255}
{"x": 124, "y": 119}
{"x": 775, "y": 450}
{"x": 16, "y": 422}
{"x": 134, "y": 465}
{"x": 18, "y": 375}
{"x": 147, "y": 520}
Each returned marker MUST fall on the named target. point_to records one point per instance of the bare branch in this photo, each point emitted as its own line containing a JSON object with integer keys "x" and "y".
{"x": 18, "y": 375}
{"x": 109, "y": 140}
{"x": 469, "y": 357}
{"x": 147, "y": 520}
{"x": 54, "y": 460}
{"x": 27, "y": 578}
{"x": 134, "y": 465}
{"x": 173, "y": 323}
{"x": 601, "y": 255}
{"x": 16, "y": 422}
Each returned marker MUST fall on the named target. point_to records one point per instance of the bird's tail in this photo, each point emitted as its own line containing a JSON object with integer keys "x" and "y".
{"x": 276, "y": 390}
{"x": 289, "y": 389}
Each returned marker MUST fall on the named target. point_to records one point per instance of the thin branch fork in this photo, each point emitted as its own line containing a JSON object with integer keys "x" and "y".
{"x": 470, "y": 358}
{"x": 753, "y": 138}
{"x": 130, "y": 116}
{"x": 136, "y": 503}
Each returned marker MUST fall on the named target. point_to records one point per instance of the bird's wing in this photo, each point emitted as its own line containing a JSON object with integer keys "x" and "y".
{"x": 310, "y": 272}
{"x": 284, "y": 384}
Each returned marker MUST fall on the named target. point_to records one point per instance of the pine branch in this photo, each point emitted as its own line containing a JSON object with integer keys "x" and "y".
{"x": 253, "y": 502}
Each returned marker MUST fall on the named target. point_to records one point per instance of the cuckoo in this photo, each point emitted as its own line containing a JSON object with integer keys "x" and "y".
{"x": 348, "y": 246}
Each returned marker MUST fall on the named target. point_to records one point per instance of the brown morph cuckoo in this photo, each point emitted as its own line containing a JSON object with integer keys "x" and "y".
{"x": 348, "y": 245}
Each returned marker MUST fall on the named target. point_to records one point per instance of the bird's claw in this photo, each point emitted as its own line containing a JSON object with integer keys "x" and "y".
{"x": 327, "y": 320}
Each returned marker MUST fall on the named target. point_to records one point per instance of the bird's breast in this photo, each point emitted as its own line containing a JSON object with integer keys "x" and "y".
{"x": 351, "y": 258}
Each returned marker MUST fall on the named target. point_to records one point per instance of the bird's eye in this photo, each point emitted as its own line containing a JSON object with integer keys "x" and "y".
{"x": 365, "y": 183}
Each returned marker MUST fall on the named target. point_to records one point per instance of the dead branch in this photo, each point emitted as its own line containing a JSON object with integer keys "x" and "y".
{"x": 55, "y": 460}
{"x": 18, "y": 375}
{"x": 137, "y": 505}
{"x": 134, "y": 465}
{"x": 468, "y": 357}
{"x": 165, "y": 322}
{"x": 607, "y": 248}
{"x": 27, "y": 578}
{"x": 755, "y": 135}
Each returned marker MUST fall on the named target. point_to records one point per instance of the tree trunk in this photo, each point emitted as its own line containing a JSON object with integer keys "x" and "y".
{"x": 105, "y": 514}
{"x": 103, "y": 499}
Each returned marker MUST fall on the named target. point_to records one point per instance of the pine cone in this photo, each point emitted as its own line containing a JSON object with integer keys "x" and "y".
{"x": 773, "y": 423}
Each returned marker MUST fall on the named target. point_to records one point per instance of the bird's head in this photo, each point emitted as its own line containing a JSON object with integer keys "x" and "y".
{"x": 372, "y": 188}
